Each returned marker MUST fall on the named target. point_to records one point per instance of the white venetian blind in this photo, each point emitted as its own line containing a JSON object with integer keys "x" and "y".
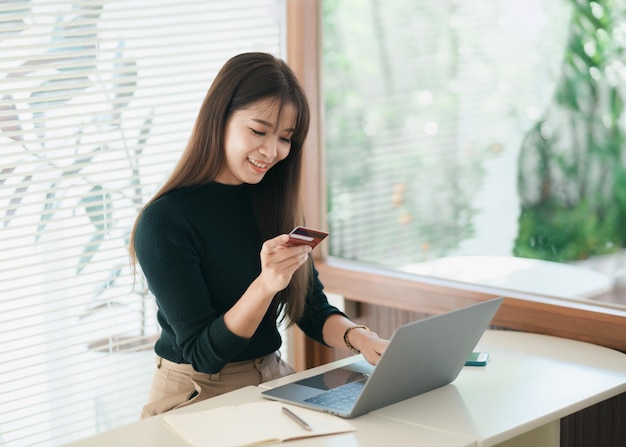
{"x": 97, "y": 99}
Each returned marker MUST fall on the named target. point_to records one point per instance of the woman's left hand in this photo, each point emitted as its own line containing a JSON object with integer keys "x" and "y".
{"x": 369, "y": 343}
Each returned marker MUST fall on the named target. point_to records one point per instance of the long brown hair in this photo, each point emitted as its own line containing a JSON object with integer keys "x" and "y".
{"x": 242, "y": 81}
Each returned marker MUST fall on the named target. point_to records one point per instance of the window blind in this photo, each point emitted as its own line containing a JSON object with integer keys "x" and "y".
{"x": 97, "y": 99}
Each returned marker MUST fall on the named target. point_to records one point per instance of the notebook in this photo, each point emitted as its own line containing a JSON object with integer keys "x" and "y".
{"x": 421, "y": 356}
{"x": 255, "y": 423}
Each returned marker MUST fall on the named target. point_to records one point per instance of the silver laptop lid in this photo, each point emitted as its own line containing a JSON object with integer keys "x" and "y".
{"x": 421, "y": 356}
{"x": 425, "y": 355}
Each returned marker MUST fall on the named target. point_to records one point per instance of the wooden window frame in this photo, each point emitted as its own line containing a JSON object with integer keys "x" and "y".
{"x": 584, "y": 321}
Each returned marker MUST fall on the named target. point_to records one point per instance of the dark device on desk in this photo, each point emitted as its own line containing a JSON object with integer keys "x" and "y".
{"x": 445, "y": 340}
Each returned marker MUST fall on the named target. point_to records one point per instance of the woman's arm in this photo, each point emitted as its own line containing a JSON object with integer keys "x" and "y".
{"x": 326, "y": 324}
{"x": 278, "y": 264}
{"x": 362, "y": 339}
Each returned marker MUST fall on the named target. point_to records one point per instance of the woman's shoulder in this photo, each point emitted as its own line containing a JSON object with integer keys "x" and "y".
{"x": 193, "y": 202}
{"x": 205, "y": 194}
{"x": 176, "y": 200}
{"x": 165, "y": 210}
{"x": 165, "y": 205}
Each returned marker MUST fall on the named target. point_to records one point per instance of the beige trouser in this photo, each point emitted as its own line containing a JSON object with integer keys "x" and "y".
{"x": 176, "y": 385}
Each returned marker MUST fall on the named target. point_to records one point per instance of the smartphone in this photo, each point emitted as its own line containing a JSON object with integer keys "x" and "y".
{"x": 477, "y": 359}
{"x": 305, "y": 236}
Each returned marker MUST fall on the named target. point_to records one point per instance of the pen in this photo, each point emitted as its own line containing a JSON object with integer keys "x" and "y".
{"x": 297, "y": 418}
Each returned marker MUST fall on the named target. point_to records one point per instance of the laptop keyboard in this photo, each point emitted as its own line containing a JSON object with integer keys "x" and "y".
{"x": 341, "y": 398}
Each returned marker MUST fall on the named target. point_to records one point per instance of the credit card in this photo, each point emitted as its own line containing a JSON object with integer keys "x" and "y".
{"x": 305, "y": 236}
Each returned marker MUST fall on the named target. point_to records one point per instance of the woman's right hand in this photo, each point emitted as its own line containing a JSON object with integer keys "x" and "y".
{"x": 279, "y": 262}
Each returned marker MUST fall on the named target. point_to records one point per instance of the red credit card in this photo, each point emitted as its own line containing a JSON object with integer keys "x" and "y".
{"x": 305, "y": 236}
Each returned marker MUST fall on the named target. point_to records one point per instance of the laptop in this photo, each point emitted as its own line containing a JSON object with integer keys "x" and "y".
{"x": 421, "y": 356}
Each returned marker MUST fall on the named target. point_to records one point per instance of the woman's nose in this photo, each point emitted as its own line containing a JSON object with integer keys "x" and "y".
{"x": 269, "y": 148}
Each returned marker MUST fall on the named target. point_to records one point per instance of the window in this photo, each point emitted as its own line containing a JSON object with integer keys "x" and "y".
{"x": 97, "y": 100}
{"x": 468, "y": 130}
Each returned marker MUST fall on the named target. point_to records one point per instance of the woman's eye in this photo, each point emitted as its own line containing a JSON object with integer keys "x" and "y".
{"x": 285, "y": 140}
{"x": 257, "y": 132}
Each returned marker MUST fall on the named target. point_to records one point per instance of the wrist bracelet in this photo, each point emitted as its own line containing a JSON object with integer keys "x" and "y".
{"x": 347, "y": 342}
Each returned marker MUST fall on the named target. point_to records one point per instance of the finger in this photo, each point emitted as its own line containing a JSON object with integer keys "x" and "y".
{"x": 292, "y": 263}
{"x": 294, "y": 250}
{"x": 278, "y": 241}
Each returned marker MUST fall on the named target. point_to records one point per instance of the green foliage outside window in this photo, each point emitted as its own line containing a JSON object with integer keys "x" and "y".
{"x": 399, "y": 195}
{"x": 572, "y": 177}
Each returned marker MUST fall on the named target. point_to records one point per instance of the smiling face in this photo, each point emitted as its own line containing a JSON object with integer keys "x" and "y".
{"x": 255, "y": 140}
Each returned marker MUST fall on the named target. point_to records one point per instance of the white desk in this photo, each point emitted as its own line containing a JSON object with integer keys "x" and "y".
{"x": 372, "y": 430}
{"x": 530, "y": 383}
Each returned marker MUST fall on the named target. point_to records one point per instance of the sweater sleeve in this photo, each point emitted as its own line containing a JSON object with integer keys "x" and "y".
{"x": 166, "y": 250}
{"x": 317, "y": 309}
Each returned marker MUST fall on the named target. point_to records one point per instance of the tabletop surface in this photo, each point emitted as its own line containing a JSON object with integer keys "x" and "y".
{"x": 371, "y": 430}
{"x": 530, "y": 380}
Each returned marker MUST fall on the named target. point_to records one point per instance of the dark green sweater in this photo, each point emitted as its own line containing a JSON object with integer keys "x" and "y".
{"x": 199, "y": 249}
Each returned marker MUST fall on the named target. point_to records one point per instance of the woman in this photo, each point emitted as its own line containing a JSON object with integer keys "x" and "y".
{"x": 211, "y": 243}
